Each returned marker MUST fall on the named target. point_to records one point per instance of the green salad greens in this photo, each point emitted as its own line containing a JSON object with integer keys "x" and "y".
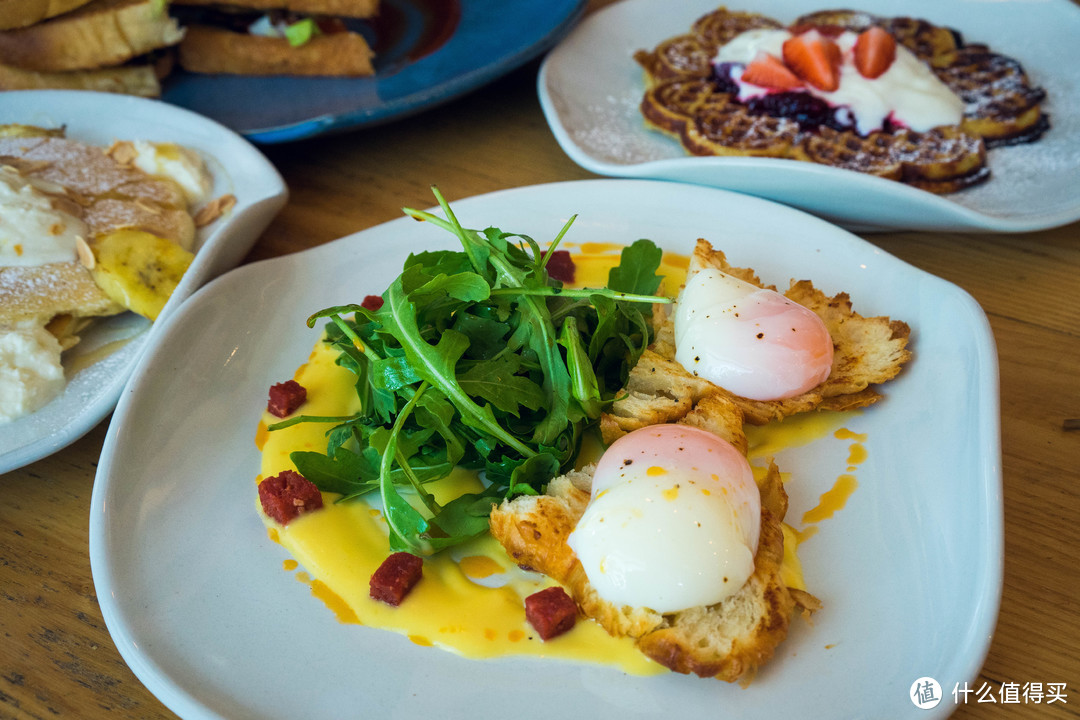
{"x": 479, "y": 359}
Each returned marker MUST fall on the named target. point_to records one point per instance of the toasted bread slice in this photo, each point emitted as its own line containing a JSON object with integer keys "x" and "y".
{"x": 101, "y": 34}
{"x": 21, "y": 13}
{"x": 42, "y": 292}
{"x": 208, "y": 49}
{"x": 140, "y": 80}
{"x": 866, "y": 352}
{"x": 729, "y": 640}
{"x": 343, "y": 8}
{"x": 103, "y": 193}
{"x": 108, "y": 193}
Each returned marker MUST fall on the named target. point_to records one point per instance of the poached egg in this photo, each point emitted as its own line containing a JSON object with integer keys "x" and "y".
{"x": 673, "y": 520}
{"x": 750, "y": 341}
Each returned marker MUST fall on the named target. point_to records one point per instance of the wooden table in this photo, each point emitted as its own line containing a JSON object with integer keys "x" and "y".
{"x": 56, "y": 656}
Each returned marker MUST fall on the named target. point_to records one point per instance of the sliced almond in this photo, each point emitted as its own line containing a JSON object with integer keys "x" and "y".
{"x": 214, "y": 209}
{"x": 86, "y": 255}
{"x": 123, "y": 152}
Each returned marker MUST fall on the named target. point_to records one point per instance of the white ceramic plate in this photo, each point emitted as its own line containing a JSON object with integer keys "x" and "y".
{"x": 197, "y": 602}
{"x": 95, "y": 379}
{"x": 595, "y": 117}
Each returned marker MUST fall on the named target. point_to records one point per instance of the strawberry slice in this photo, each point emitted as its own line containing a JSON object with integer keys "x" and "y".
{"x": 815, "y": 59}
{"x": 769, "y": 71}
{"x": 875, "y": 51}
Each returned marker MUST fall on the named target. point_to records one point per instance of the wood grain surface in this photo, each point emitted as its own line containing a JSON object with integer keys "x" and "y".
{"x": 56, "y": 656}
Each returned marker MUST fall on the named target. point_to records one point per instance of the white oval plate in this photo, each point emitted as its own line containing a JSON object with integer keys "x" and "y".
{"x": 199, "y": 606}
{"x": 595, "y": 118}
{"x": 238, "y": 168}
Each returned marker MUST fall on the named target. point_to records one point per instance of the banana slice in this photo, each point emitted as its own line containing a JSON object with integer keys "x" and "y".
{"x": 138, "y": 270}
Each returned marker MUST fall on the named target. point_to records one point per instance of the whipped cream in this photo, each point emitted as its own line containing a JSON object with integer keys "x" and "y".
{"x": 907, "y": 94}
{"x": 30, "y": 371}
{"x": 185, "y": 167}
{"x": 32, "y": 231}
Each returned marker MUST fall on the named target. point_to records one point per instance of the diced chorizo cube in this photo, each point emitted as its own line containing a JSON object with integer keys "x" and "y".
{"x": 396, "y": 577}
{"x": 551, "y": 612}
{"x": 372, "y": 302}
{"x": 288, "y": 495}
{"x": 561, "y": 266}
{"x": 285, "y": 398}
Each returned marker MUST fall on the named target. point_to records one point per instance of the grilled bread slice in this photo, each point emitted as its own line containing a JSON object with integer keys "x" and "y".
{"x": 21, "y": 13}
{"x": 104, "y": 33}
{"x": 208, "y": 49}
{"x": 866, "y": 351}
{"x": 729, "y": 640}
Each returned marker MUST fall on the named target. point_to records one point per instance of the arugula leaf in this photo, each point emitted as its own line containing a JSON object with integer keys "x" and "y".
{"x": 476, "y": 359}
{"x": 496, "y": 381}
{"x": 636, "y": 271}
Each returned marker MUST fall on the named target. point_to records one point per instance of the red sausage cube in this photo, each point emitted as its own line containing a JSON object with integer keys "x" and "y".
{"x": 372, "y": 302}
{"x": 551, "y": 611}
{"x": 286, "y": 397}
{"x": 396, "y": 577}
{"x": 288, "y": 495}
{"x": 561, "y": 266}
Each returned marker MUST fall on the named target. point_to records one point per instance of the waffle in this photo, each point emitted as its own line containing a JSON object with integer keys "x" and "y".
{"x": 684, "y": 100}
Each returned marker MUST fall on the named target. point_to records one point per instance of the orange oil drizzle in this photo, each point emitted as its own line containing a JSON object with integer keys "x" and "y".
{"x": 332, "y": 600}
{"x": 261, "y": 435}
{"x": 832, "y": 500}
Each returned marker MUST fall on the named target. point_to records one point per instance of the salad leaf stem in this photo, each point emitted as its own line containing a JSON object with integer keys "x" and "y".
{"x": 406, "y": 525}
{"x": 583, "y": 293}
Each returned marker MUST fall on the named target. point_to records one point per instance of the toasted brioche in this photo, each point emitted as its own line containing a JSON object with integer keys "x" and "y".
{"x": 110, "y": 194}
{"x": 106, "y": 195}
{"x": 866, "y": 352}
{"x": 208, "y": 49}
{"x": 344, "y": 8}
{"x": 101, "y": 34}
{"x": 42, "y": 292}
{"x": 21, "y": 13}
{"x": 728, "y": 640}
{"x": 138, "y": 80}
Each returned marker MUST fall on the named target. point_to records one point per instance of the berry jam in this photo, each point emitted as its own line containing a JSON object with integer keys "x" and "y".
{"x": 809, "y": 111}
{"x": 722, "y": 77}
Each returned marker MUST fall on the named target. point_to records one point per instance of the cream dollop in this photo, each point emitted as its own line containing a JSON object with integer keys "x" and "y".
{"x": 908, "y": 92}
{"x": 32, "y": 230}
{"x": 180, "y": 164}
{"x": 30, "y": 371}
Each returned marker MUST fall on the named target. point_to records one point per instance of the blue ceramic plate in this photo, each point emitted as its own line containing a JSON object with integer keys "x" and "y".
{"x": 427, "y": 52}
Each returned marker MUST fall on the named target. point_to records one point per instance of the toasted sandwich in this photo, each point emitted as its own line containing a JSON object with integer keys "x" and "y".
{"x": 21, "y": 13}
{"x": 275, "y": 37}
{"x": 107, "y": 45}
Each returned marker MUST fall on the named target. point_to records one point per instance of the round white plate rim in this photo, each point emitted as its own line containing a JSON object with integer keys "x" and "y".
{"x": 185, "y": 704}
{"x": 107, "y": 117}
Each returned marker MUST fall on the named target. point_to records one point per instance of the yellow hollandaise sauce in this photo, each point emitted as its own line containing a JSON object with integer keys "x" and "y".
{"x": 471, "y": 598}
